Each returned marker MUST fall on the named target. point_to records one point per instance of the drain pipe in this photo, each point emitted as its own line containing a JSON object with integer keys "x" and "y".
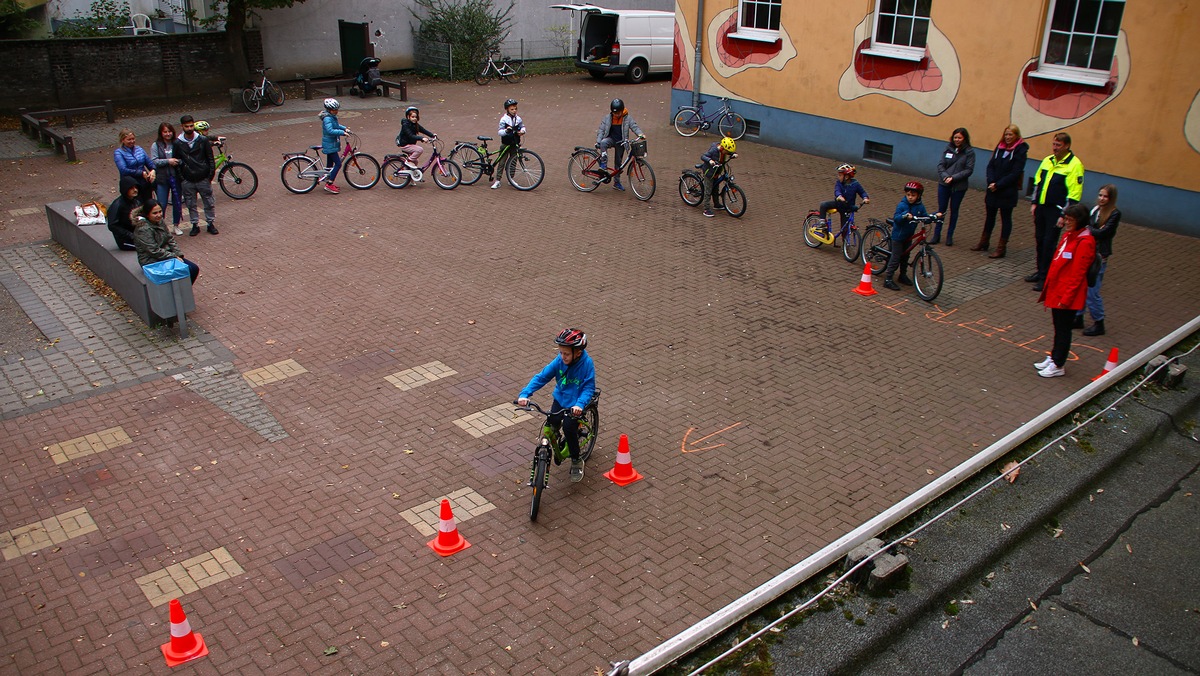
{"x": 699, "y": 55}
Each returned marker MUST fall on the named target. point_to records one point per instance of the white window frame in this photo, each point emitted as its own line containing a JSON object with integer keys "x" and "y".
{"x": 894, "y": 51}
{"x": 1063, "y": 73}
{"x": 757, "y": 34}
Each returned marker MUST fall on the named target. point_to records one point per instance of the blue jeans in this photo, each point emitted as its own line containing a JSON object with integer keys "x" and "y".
{"x": 1095, "y": 304}
{"x": 333, "y": 160}
{"x": 171, "y": 190}
{"x": 953, "y": 199}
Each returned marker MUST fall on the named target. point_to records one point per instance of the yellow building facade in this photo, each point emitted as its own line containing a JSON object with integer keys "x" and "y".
{"x": 885, "y": 82}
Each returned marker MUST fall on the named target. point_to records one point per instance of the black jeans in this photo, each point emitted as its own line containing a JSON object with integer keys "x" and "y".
{"x": 1045, "y": 230}
{"x": 1063, "y": 321}
{"x": 842, "y": 207}
{"x": 569, "y": 425}
{"x": 898, "y": 259}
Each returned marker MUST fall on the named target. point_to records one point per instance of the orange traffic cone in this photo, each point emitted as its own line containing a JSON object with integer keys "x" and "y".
{"x": 623, "y": 473}
{"x": 185, "y": 645}
{"x": 1108, "y": 365}
{"x": 864, "y": 284}
{"x": 448, "y": 541}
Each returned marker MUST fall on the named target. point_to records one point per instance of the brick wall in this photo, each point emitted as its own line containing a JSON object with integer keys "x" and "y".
{"x": 65, "y": 73}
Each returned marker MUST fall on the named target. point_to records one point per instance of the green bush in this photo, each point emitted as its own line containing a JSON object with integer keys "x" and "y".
{"x": 469, "y": 26}
{"x": 107, "y": 17}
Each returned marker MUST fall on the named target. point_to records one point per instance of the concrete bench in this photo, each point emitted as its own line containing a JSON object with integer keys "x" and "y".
{"x": 95, "y": 247}
{"x": 340, "y": 82}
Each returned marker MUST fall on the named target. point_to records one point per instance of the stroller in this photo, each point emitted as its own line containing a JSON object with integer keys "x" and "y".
{"x": 368, "y": 80}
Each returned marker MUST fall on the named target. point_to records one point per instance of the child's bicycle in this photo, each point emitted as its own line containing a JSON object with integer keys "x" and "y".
{"x": 254, "y": 94}
{"x": 523, "y": 168}
{"x": 727, "y": 195}
{"x": 236, "y": 179}
{"x": 926, "y": 264}
{"x": 586, "y": 173}
{"x": 301, "y": 172}
{"x": 446, "y": 174}
{"x": 508, "y": 69}
{"x": 552, "y": 446}
{"x": 819, "y": 230}
{"x": 691, "y": 119}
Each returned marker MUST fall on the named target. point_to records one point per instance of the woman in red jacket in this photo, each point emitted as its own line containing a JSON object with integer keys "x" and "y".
{"x": 1065, "y": 290}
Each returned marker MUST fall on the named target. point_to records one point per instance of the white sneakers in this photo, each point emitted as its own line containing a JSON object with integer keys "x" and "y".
{"x": 1047, "y": 369}
{"x": 496, "y": 185}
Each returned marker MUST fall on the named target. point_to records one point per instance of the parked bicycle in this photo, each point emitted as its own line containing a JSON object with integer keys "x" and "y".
{"x": 446, "y": 174}
{"x": 508, "y": 69}
{"x": 254, "y": 94}
{"x": 727, "y": 195}
{"x": 818, "y": 230}
{"x": 523, "y": 168}
{"x": 586, "y": 174}
{"x": 927, "y": 276}
{"x": 552, "y": 446}
{"x": 690, "y": 120}
{"x": 301, "y": 172}
{"x": 236, "y": 179}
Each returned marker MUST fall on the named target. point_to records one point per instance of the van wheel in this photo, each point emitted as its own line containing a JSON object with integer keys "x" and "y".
{"x": 596, "y": 74}
{"x": 637, "y": 72}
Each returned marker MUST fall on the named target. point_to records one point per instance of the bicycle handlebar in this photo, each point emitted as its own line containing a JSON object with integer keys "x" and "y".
{"x": 532, "y": 406}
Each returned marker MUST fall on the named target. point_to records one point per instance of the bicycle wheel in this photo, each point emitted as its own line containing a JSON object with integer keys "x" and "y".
{"x": 395, "y": 174}
{"x": 299, "y": 174}
{"x": 688, "y": 121}
{"x": 589, "y": 429}
{"x": 584, "y": 170}
{"x": 927, "y": 274}
{"x": 537, "y": 480}
{"x": 876, "y": 248}
{"x": 251, "y": 100}
{"x": 732, "y": 125}
{"x": 274, "y": 93}
{"x": 525, "y": 169}
{"x": 361, "y": 171}
{"x": 483, "y": 73}
{"x": 516, "y": 71}
{"x": 237, "y": 180}
{"x": 851, "y": 243}
{"x": 734, "y": 200}
{"x": 814, "y": 227}
{"x": 691, "y": 188}
{"x": 641, "y": 179}
{"x": 446, "y": 174}
{"x": 470, "y": 160}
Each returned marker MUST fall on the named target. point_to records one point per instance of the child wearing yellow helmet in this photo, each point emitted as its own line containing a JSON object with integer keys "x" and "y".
{"x": 711, "y": 161}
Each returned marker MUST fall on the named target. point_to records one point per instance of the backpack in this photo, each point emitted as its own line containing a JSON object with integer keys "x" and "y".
{"x": 1093, "y": 272}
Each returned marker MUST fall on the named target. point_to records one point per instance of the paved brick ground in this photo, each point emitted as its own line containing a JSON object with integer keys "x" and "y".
{"x": 833, "y": 406}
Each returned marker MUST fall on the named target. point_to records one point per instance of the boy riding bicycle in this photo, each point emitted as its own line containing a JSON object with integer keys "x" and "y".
{"x": 614, "y": 131}
{"x": 720, "y": 153}
{"x": 574, "y": 386}
{"x": 511, "y": 129}
{"x": 846, "y": 192}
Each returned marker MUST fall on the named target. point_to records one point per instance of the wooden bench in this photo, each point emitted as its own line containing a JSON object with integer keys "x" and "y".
{"x": 36, "y": 125}
{"x": 95, "y": 247}
{"x": 340, "y": 82}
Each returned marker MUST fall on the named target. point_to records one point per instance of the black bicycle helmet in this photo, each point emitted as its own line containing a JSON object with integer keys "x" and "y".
{"x": 569, "y": 337}
{"x": 616, "y": 106}
{"x": 510, "y": 102}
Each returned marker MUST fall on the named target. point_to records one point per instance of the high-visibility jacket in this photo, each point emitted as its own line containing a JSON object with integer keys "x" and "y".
{"x": 1059, "y": 183}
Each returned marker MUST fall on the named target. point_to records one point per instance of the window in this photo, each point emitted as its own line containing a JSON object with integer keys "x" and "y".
{"x": 758, "y": 20}
{"x": 901, "y": 29}
{"x": 1080, "y": 40}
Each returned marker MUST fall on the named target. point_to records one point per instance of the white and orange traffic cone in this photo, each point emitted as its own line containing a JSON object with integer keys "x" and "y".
{"x": 623, "y": 473}
{"x": 1108, "y": 365}
{"x": 864, "y": 283}
{"x": 448, "y": 541}
{"x": 186, "y": 645}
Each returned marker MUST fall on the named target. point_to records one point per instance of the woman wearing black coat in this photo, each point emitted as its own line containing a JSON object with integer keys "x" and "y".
{"x": 1004, "y": 173}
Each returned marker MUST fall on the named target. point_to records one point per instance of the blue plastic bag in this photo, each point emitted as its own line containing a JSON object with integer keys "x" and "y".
{"x": 163, "y": 272}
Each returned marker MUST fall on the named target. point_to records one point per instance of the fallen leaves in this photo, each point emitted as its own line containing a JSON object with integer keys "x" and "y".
{"x": 1011, "y": 471}
{"x": 1085, "y": 568}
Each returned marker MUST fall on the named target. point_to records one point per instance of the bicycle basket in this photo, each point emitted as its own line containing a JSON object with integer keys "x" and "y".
{"x": 638, "y": 148}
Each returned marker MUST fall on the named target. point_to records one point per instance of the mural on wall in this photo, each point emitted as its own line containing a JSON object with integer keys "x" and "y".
{"x": 1041, "y": 106}
{"x": 928, "y": 85}
{"x": 1191, "y": 124}
{"x": 685, "y": 56}
{"x": 733, "y": 55}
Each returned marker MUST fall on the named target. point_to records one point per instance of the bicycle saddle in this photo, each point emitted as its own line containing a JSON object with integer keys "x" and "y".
{"x": 889, "y": 221}
{"x": 484, "y": 138}
{"x": 314, "y": 147}
{"x": 700, "y": 166}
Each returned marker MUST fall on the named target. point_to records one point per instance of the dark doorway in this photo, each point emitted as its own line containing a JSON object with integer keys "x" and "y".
{"x": 355, "y": 40}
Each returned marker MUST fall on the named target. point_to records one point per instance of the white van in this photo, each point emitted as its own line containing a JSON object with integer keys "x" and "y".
{"x": 632, "y": 42}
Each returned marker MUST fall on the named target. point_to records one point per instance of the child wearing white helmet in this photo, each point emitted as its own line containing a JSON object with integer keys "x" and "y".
{"x": 331, "y": 143}
{"x": 512, "y": 128}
